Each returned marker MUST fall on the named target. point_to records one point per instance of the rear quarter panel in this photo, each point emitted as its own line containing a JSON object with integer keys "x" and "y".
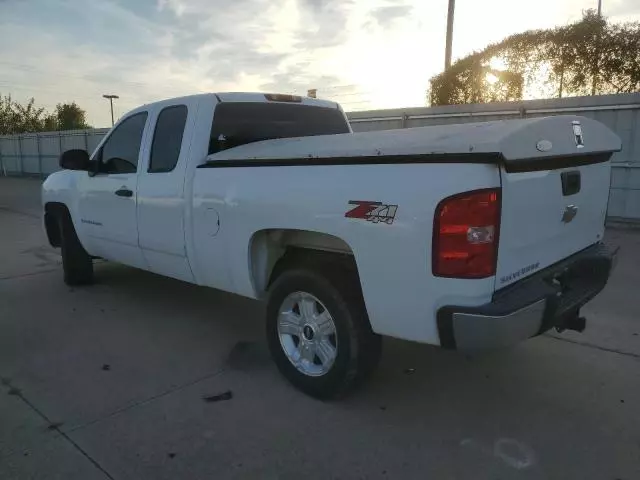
{"x": 394, "y": 261}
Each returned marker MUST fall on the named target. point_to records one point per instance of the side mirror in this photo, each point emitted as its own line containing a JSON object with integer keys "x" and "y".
{"x": 75, "y": 160}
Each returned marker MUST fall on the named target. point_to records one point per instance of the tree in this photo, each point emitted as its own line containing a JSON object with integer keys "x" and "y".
{"x": 19, "y": 118}
{"x": 6, "y": 114}
{"x": 591, "y": 56}
{"x": 69, "y": 116}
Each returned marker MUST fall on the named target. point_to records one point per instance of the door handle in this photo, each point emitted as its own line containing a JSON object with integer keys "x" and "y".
{"x": 124, "y": 192}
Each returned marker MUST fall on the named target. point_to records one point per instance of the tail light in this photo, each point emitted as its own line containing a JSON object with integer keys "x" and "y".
{"x": 465, "y": 235}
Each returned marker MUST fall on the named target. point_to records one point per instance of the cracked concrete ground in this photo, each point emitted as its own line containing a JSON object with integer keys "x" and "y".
{"x": 118, "y": 381}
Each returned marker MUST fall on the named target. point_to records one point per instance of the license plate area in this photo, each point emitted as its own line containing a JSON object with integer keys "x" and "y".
{"x": 579, "y": 282}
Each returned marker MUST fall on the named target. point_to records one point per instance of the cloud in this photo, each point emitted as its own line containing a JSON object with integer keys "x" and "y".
{"x": 323, "y": 23}
{"x": 621, "y": 8}
{"x": 176, "y": 6}
{"x": 351, "y": 50}
{"x": 298, "y": 79}
{"x": 385, "y": 16}
{"x": 145, "y": 51}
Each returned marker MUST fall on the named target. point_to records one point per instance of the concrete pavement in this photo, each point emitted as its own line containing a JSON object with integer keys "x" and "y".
{"x": 119, "y": 380}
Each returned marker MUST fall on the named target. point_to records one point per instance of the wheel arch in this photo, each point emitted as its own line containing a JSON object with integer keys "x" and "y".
{"x": 52, "y": 228}
{"x": 272, "y": 250}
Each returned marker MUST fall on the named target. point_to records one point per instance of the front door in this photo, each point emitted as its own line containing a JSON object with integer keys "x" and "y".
{"x": 108, "y": 202}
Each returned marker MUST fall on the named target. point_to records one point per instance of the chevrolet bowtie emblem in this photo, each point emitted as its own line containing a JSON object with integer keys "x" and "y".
{"x": 570, "y": 213}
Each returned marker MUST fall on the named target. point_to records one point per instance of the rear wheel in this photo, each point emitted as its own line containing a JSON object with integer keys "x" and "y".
{"x": 76, "y": 262}
{"x": 318, "y": 331}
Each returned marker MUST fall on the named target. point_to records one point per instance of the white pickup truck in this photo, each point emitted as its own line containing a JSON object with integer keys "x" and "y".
{"x": 465, "y": 236}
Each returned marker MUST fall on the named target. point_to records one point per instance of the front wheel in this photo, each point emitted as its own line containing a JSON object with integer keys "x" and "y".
{"x": 318, "y": 331}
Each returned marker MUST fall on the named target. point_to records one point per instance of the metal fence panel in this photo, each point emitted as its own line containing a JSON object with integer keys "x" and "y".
{"x": 9, "y": 155}
{"x": 29, "y": 154}
{"x": 38, "y": 154}
{"x": 94, "y": 137}
{"x": 50, "y": 152}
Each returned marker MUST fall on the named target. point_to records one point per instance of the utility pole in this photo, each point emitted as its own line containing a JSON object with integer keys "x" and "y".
{"x": 594, "y": 84}
{"x": 447, "y": 50}
{"x": 110, "y": 98}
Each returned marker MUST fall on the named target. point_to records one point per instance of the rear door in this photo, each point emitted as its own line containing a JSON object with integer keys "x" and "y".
{"x": 161, "y": 189}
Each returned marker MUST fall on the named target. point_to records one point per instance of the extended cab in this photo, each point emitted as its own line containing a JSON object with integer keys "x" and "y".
{"x": 465, "y": 236}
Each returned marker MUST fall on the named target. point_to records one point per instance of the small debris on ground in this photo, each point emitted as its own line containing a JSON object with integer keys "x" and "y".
{"x": 228, "y": 395}
{"x": 171, "y": 455}
{"x": 54, "y": 425}
{"x": 106, "y": 367}
{"x": 409, "y": 371}
{"x": 383, "y": 407}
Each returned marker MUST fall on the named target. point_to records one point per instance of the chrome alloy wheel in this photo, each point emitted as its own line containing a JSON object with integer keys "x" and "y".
{"x": 307, "y": 334}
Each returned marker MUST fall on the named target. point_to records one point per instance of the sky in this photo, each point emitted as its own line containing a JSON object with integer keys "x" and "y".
{"x": 366, "y": 54}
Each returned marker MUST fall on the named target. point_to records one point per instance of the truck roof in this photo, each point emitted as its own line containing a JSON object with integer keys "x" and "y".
{"x": 256, "y": 97}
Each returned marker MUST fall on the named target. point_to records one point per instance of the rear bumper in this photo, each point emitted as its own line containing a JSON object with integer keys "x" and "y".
{"x": 550, "y": 298}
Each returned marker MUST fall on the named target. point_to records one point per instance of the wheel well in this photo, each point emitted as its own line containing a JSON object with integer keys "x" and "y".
{"x": 271, "y": 251}
{"x": 51, "y": 212}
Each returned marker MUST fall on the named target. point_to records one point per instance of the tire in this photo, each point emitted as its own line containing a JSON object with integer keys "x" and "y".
{"x": 335, "y": 291}
{"x": 76, "y": 262}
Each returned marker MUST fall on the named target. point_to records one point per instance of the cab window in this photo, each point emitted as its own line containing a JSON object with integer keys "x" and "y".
{"x": 120, "y": 152}
{"x": 167, "y": 139}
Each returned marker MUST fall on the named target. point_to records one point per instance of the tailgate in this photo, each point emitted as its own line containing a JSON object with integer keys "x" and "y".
{"x": 542, "y": 224}
{"x": 553, "y": 205}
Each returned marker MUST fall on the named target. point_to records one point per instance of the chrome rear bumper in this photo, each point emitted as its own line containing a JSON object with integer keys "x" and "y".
{"x": 550, "y": 298}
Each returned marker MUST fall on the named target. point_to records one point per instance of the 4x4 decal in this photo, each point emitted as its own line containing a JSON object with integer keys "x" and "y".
{"x": 372, "y": 211}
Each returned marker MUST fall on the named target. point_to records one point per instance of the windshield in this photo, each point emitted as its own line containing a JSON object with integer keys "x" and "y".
{"x": 239, "y": 123}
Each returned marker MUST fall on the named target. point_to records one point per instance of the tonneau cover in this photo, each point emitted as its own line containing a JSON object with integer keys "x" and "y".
{"x": 519, "y": 144}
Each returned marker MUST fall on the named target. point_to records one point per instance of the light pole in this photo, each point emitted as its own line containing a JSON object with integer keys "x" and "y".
{"x": 447, "y": 49}
{"x": 599, "y": 8}
{"x": 110, "y": 98}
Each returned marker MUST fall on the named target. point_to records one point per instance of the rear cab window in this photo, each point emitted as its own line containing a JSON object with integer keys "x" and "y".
{"x": 167, "y": 139}
{"x": 239, "y": 123}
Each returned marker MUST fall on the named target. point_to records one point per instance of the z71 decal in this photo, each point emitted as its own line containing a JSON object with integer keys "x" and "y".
{"x": 372, "y": 211}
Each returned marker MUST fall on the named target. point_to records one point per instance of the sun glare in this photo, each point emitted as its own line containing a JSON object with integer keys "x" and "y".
{"x": 491, "y": 78}
{"x": 498, "y": 63}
